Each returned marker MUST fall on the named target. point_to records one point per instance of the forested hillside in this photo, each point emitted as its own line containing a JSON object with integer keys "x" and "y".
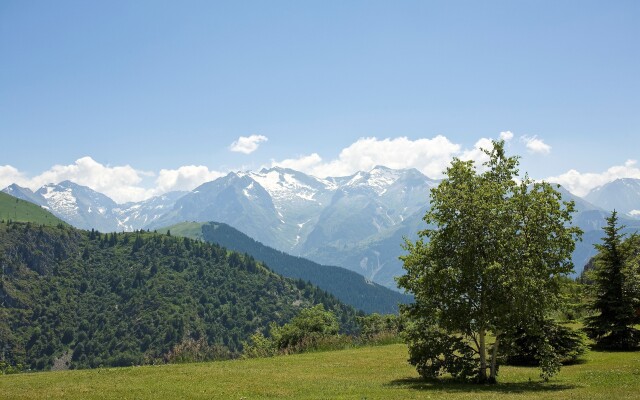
{"x": 85, "y": 299}
{"x": 348, "y": 286}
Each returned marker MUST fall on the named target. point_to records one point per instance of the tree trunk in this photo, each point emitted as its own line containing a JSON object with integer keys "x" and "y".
{"x": 493, "y": 375}
{"x": 482, "y": 374}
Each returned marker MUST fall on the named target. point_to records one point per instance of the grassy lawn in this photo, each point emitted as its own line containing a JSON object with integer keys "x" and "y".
{"x": 23, "y": 211}
{"x": 365, "y": 373}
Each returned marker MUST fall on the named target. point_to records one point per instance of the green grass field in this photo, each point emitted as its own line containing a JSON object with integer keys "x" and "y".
{"x": 191, "y": 230}
{"x": 363, "y": 373}
{"x": 18, "y": 210}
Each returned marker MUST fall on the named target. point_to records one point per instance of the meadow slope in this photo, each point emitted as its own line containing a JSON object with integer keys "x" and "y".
{"x": 364, "y": 373}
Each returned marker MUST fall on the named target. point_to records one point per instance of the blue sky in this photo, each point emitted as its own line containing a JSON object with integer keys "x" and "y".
{"x": 147, "y": 86}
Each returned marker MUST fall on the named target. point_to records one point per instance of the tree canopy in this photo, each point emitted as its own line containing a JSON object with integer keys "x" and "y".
{"x": 85, "y": 299}
{"x": 489, "y": 262}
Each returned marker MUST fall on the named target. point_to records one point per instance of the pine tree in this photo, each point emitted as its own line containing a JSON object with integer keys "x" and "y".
{"x": 612, "y": 325}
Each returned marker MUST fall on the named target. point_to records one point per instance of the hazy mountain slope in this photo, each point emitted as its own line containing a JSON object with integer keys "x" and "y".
{"x": 235, "y": 199}
{"x": 581, "y": 204}
{"x": 91, "y": 299}
{"x": 24, "y": 194}
{"x": 368, "y": 206}
{"x": 623, "y": 195}
{"x": 591, "y": 218}
{"x": 137, "y": 215}
{"x": 377, "y": 258}
{"x": 362, "y": 228}
{"x": 347, "y": 286}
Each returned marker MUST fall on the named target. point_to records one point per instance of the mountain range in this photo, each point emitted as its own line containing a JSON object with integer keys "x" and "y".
{"x": 357, "y": 222}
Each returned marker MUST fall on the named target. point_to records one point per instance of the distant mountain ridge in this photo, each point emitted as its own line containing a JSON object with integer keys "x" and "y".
{"x": 331, "y": 221}
{"x": 86, "y": 208}
{"x": 623, "y": 195}
{"x": 357, "y": 221}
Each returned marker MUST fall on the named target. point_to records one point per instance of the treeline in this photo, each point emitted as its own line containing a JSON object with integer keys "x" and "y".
{"x": 81, "y": 299}
{"x": 317, "y": 329}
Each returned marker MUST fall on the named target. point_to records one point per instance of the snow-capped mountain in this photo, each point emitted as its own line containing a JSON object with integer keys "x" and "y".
{"x": 357, "y": 221}
{"x": 298, "y": 200}
{"x": 136, "y": 215}
{"x": 235, "y": 199}
{"x": 85, "y": 208}
{"x": 622, "y": 195}
{"x": 331, "y": 221}
{"x": 78, "y": 205}
{"x": 366, "y": 214}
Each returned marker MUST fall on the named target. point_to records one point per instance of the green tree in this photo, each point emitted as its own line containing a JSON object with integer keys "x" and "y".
{"x": 308, "y": 330}
{"x": 615, "y": 291}
{"x": 491, "y": 262}
{"x": 305, "y": 329}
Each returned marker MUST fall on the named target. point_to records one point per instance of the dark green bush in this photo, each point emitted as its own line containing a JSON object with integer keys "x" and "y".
{"x": 518, "y": 347}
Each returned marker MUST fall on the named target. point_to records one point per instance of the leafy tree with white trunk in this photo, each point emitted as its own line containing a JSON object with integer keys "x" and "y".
{"x": 490, "y": 262}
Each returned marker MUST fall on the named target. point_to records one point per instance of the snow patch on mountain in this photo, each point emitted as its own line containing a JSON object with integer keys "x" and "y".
{"x": 287, "y": 185}
{"x": 247, "y": 192}
{"x": 63, "y": 201}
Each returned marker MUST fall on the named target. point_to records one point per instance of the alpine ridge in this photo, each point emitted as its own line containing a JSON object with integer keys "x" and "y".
{"x": 357, "y": 221}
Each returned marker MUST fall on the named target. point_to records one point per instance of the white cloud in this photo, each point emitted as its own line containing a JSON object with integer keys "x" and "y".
{"x": 303, "y": 163}
{"x": 477, "y": 154}
{"x": 10, "y": 175}
{"x": 506, "y": 135}
{"x": 430, "y": 156}
{"x": 582, "y": 183}
{"x": 247, "y": 144}
{"x": 121, "y": 183}
{"x": 187, "y": 177}
{"x": 535, "y": 145}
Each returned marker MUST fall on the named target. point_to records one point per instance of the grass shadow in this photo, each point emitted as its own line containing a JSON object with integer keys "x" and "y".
{"x": 603, "y": 349}
{"x": 450, "y": 385}
{"x": 577, "y": 361}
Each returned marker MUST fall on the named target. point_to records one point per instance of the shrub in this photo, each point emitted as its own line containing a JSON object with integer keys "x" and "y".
{"x": 519, "y": 346}
{"x": 305, "y": 329}
{"x": 190, "y": 350}
{"x": 259, "y": 346}
{"x": 433, "y": 352}
{"x": 379, "y": 329}
{"x": 312, "y": 329}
